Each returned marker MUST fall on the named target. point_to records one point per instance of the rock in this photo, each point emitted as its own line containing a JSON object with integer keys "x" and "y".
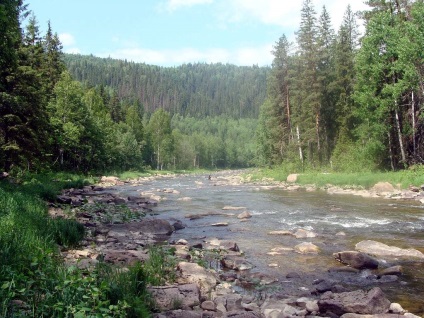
{"x": 301, "y": 233}
{"x": 244, "y": 215}
{"x": 394, "y": 270}
{"x": 350, "y": 315}
{"x": 243, "y": 314}
{"x": 396, "y": 308}
{"x": 155, "y": 226}
{"x": 293, "y": 275}
{"x": 178, "y": 225}
{"x": 235, "y": 262}
{"x": 383, "y": 187}
{"x": 414, "y": 189}
{"x": 175, "y": 297}
{"x": 233, "y": 302}
{"x": 291, "y": 178}
{"x": 181, "y": 314}
{"x": 186, "y": 199}
{"x": 194, "y": 273}
{"x": 280, "y": 233}
{"x": 181, "y": 242}
{"x": 306, "y": 248}
{"x": 229, "y": 246}
{"x": 312, "y": 306}
{"x": 359, "y": 302}
{"x": 356, "y": 260}
{"x": 220, "y": 224}
{"x": 251, "y": 307}
{"x": 233, "y": 208}
{"x": 109, "y": 179}
{"x": 208, "y": 305}
{"x": 380, "y": 249}
{"x": 182, "y": 252}
{"x": 64, "y": 199}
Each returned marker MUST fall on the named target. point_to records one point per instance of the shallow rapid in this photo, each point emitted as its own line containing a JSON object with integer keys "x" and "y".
{"x": 397, "y": 223}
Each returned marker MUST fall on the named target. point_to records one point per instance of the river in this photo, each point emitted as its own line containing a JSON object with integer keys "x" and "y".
{"x": 397, "y": 223}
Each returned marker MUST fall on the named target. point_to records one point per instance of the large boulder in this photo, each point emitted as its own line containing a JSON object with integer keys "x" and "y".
{"x": 291, "y": 178}
{"x": 175, "y": 297}
{"x": 356, "y": 260}
{"x": 194, "y": 273}
{"x": 155, "y": 226}
{"x": 380, "y": 249}
{"x": 235, "y": 262}
{"x": 358, "y": 302}
{"x": 383, "y": 187}
{"x": 302, "y": 233}
{"x": 306, "y": 248}
{"x": 244, "y": 215}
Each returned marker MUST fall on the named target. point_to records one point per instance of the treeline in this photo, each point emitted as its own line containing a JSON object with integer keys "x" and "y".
{"x": 50, "y": 121}
{"x": 337, "y": 101}
{"x": 195, "y": 90}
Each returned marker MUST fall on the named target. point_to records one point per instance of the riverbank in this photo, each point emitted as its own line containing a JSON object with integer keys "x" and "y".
{"x": 121, "y": 236}
{"x": 400, "y": 180}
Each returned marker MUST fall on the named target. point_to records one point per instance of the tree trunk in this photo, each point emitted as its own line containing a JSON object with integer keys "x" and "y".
{"x": 402, "y": 150}
{"x": 392, "y": 164}
{"x": 288, "y": 116}
{"x": 413, "y": 124}
{"x": 299, "y": 145}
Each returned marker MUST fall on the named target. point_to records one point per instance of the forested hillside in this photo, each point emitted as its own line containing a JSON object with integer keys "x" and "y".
{"x": 339, "y": 102}
{"x": 330, "y": 101}
{"x": 197, "y": 90}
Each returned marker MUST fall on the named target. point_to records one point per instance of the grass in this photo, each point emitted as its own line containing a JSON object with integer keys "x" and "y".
{"x": 405, "y": 178}
{"x": 35, "y": 282}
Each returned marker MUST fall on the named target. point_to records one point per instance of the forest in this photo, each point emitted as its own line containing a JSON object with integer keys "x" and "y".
{"x": 334, "y": 100}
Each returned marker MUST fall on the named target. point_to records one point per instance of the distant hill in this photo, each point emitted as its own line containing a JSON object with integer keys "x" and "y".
{"x": 197, "y": 90}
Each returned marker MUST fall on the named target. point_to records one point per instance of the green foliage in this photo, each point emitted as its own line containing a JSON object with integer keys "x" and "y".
{"x": 160, "y": 266}
{"x": 34, "y": 282}
{"x": 67, "y": 232}
{"x": 193, "y": 90}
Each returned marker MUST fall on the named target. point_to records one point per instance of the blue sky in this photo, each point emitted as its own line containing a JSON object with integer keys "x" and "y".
{"x": 173, "y": 32}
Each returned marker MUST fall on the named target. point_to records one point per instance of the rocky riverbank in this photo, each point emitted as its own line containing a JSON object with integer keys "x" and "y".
{"x": 121, "y": 228}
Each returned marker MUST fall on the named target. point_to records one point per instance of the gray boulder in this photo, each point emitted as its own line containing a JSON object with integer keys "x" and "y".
{"x": 358, "y": 302}
{"x": 176, "y": 297}
{"x": 380, "y": 249}
{"x": 356, "y": 260}
{"x": 194, "y": 273}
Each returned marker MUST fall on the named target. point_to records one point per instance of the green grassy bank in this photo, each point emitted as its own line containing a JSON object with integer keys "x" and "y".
{"x": 403, "y": 179}
{"x": 35, "y": 282}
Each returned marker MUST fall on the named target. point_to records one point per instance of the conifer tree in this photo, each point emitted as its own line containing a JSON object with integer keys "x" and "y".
{"x": 307, "y": 99}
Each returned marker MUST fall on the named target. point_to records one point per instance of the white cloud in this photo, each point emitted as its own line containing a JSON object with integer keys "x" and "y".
{"x": 172, "y": 5}
{"x": 67, "y": 39}
{"x": 282, "y": 13}
{"x": 241, "y": 56}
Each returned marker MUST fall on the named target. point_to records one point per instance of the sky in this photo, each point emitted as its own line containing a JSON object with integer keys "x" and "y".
{"x": 174, "y": 32}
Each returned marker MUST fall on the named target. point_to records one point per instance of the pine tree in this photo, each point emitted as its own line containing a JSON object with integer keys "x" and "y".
{"x": 307, "y": 99}
{"x": 326, "y": 79}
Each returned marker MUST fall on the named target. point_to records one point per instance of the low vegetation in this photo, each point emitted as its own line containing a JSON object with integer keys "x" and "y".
{"x": 34, "y": 280}
{"x": 402, "y": 179}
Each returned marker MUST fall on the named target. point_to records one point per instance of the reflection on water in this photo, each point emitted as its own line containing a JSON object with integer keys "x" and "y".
{"x": 390, "y": 222}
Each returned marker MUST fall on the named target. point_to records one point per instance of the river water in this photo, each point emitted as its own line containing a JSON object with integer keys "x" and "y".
{"x": 397, "y": 223}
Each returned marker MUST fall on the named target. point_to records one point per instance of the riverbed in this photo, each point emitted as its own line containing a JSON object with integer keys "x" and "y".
{"x": 340, "y": 221}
